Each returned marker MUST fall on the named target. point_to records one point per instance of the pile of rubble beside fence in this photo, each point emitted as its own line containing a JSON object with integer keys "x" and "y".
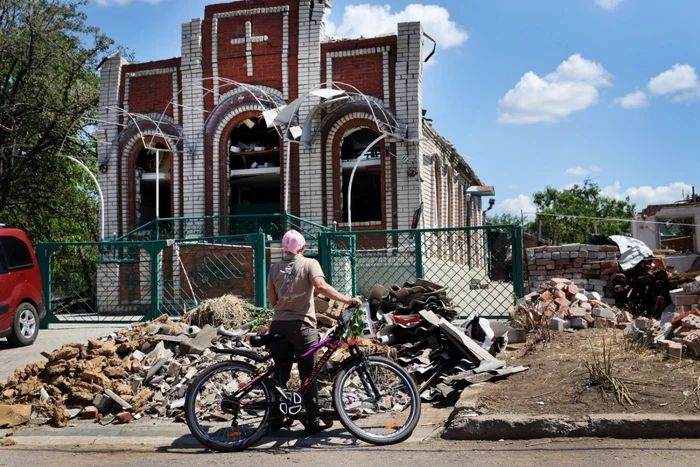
{"x": 416, "y": 321}
{"x": 677, "y": 332}
{"x": 560, "y": 304}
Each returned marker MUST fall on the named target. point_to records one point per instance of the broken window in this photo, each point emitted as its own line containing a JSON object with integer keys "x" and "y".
{"x": 148, "y": 180}
{"x": 254, "y": 163}
{"x": 367, "y": 184}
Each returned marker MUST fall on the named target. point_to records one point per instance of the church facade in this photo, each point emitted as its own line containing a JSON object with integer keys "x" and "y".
{"x": 186, "y": 136}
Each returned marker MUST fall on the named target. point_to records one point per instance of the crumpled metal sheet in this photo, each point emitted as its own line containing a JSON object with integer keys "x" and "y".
{"x": 632, "y": 251}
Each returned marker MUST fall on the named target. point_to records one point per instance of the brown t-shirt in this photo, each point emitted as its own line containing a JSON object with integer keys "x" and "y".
{"x": 295, "y": 300}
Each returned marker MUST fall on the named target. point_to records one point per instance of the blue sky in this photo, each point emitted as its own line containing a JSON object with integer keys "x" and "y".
{"x": 531, "y": 92}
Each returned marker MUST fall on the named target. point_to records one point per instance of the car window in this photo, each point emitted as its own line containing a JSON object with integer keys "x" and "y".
{"x": 3, "y": 264}
{"x": 16, "y": 253}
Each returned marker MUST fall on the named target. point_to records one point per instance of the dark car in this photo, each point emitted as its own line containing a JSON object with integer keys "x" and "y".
{"x": 21, "y": 303}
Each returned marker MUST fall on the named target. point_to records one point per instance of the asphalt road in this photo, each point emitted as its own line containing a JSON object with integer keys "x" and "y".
{"x": 559, "y": 452}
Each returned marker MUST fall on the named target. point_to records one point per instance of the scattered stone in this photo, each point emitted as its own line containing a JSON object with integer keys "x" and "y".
{"x": 13, "y": 415}
{"x": 89, "y": 412}
{"x": 123, "y": 417}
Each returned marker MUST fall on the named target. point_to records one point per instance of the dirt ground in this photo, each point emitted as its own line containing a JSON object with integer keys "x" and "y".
{"x": 559, "y": 383}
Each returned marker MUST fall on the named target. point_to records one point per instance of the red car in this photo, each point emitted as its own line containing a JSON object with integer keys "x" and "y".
{"x": 21, "y": 301}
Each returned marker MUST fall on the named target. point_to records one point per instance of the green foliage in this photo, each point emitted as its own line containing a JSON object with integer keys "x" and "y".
{"x": 580, "y": 200}
{"x": 49, "y": 88}
{"x": 355, "y": 326}
{"x": 505, "y": 218}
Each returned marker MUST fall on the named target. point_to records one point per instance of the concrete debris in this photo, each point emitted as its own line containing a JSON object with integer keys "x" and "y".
{"x": 143, "y": 369}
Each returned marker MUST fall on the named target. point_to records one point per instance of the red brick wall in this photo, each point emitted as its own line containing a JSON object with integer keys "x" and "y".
{"x": 365, "y": 72}
{"x": 151, "y": 94}
{"x": 267, "y": 57}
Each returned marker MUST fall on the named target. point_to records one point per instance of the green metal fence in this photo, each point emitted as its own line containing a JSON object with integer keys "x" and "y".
{"x": 473, "y": 262}
{"x": 171, "y": 265}
{"x": 126, "y": 281}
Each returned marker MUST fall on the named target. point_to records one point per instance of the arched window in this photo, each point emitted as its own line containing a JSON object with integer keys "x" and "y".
{"x": 367, "y": 184}
{"x": 146, "y": 184}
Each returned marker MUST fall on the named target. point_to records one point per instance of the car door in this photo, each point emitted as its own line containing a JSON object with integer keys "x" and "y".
{"x": 6, "y": 286}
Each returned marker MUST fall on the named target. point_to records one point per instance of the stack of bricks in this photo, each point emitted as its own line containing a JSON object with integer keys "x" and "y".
{"x": 590, "y": 267}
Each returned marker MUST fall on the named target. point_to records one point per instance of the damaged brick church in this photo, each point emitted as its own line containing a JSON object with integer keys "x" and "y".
{"x": 203, "y": 111}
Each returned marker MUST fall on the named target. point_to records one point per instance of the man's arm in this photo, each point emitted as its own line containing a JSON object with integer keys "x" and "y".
{"x": 328, "y": 291}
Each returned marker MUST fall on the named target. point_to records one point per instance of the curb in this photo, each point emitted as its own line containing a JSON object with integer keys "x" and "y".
{"x": 463, "y": 427}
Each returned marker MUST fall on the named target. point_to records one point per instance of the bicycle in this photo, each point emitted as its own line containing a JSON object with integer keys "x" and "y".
{"x": 228, "y": 405}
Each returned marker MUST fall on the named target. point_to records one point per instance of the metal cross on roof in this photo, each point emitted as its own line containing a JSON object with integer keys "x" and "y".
{"x": 249, "y": 40}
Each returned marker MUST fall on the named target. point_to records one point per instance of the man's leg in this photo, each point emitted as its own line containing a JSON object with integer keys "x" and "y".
{"x": 281, "y": 350}
{"x": 308, "y": 337}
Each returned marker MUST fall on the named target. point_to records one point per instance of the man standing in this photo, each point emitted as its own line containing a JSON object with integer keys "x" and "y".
{"x": 290, "y": 290}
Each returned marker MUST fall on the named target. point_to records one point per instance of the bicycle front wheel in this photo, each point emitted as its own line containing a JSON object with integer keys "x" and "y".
{"x": 377, "y": 401}
{"x": 225, "y": 410}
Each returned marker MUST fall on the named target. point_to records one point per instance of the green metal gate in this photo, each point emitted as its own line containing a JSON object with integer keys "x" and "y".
{"x": 471, "y": 261}
{"x": 127, "y": 281}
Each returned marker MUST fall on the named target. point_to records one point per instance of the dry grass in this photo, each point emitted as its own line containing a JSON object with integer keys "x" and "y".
{"x": 602, "y": 373}
{"x": 228, "y": 310}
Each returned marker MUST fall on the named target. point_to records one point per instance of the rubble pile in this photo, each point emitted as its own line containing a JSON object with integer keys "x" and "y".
{"x": 647, "y": 286}
{"x": 144, "y": 369}
{"x": 561, "y": 304}
{"x": 678, "y": 331}
{"x": 415, "y": 320}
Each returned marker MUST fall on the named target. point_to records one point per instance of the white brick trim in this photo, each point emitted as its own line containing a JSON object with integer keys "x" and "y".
{"x": 158, "y": 71}
{"x": 284, "y": 11}
{"x": 240, "y": 90}
{"x": 366, "y": 51}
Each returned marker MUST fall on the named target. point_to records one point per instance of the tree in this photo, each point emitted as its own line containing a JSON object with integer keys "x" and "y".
{"x": 505, "y": 218}
{"x": 48, "y": 85}
{"x": 584, "y": 201}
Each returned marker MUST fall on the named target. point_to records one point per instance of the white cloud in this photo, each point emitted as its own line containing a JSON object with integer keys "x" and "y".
{"x": 678, "y": 78}
{"x": 633, "y": 100}
{"x": 577, "y": 171}
{"x": 572, "y": 87}
{"x": 512, "y": 187}
{"x": 643, "y": 196}
{"x": 608, "y": 5}
{"x": 124, "y": 2}
{"x": 373, "y": 20}
{"x": 515, "y": 205}
{"x": 687, "y": 96}
{"x": 595, "y": 168}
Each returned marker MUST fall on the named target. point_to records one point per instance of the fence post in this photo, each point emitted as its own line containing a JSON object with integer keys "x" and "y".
{"x": 260, "y": 272}
{"x": 154, "y": 249}
{"x": 43, "y": 256}
{"x": 324, "y": 256}
{"x": 419, "y": 254}
{"x": 516, "y": 242}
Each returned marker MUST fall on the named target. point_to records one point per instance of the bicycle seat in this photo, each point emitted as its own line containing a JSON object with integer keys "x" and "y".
{"x": 266, "y": 339}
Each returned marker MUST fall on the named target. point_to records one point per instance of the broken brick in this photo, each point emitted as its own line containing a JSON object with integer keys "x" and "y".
{"x": 123, "y": 417}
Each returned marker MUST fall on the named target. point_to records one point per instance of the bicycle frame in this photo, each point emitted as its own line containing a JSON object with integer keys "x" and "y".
{"x": 333, "y": 343}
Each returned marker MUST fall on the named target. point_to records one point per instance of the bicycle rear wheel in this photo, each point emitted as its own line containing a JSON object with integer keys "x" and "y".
{"x": 385, "y": 416}
{"x": 224, "y": 414}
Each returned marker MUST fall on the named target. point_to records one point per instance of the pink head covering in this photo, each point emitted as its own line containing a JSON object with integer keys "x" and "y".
{"x": 293, "y": 242}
